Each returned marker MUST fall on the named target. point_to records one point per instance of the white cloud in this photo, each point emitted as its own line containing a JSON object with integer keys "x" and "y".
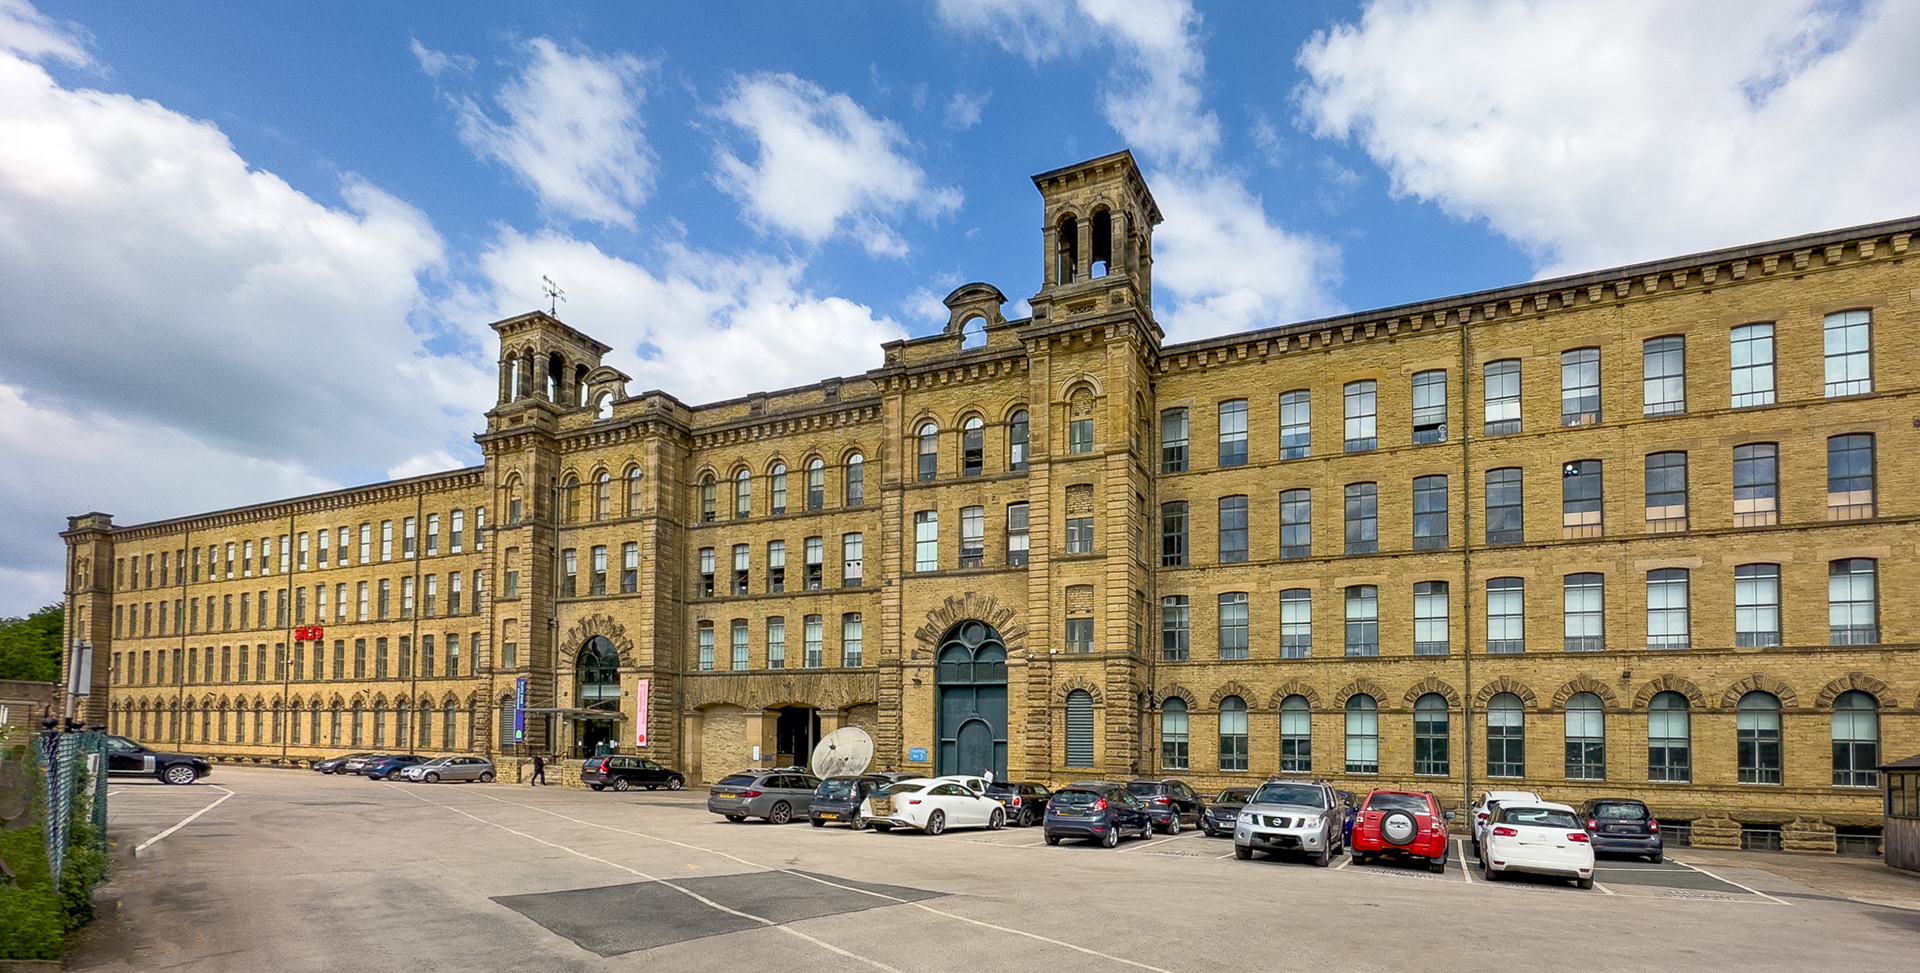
{"x": 1599, "y": 134}
{"x": 823, "y": 166}
{"x": 573, "y": 132}
{"x": 1038, "y": 30}
{"x": 702, "y": 326}
{"x": 964, "y": 108}
{"x": 1227, "y": 268}
{"x": 925, "y": 307}
{"x": 33, "y": 35}
{"x": 435, "y": 63}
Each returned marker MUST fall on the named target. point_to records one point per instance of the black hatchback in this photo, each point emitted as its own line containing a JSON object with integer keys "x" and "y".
{"x": 843, "y": 800}
{"x": 1101, "y": 813}
{"x": 1171, "y": 802}
{"x": 1026, "y": 804}
{"x": 1224, "y": 810}
{"x": 1622, "y": 826}
{"x": 625, "y": 773}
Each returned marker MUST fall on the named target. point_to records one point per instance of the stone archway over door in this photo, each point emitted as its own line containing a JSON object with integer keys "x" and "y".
{"x": 972, "y": 713}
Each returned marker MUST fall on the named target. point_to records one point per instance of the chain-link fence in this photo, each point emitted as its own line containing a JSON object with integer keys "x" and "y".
{"x": 53, "y": 838}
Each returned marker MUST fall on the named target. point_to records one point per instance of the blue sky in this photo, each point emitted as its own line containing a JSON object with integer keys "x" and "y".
{"x": 251, "y": 249}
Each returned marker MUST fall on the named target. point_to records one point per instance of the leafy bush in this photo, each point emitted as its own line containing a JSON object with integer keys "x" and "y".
{"x": 32, "y": 924}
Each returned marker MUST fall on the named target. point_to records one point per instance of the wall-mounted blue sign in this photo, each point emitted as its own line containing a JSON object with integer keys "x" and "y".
{"x": 917, "y": 755}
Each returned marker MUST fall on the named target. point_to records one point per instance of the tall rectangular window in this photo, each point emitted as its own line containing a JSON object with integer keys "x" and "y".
{"x": 1430, "y": 513}
{"x": 408, "y": 540}
{"x": 1173, "y": 534}
{"x": 1850, "y": 477}
{"x": 1663, "y": 370}
{"x": 1079, "y": 535}
{"x": 776, "y": 642}
{"x": 1173, "y": 441}
{"x": 812, "y": 635}
{"x": 1296, "y": 623}
{"x": 776, "y": 567}
{"x": 1756, "y": 605}
{"x": 1233, "y": 530}
{"x": 456, "y": 536}
{"x": 1079, "y": 635}
{"x": 1430, "y": 635}
{"x": 929, "y": 451}
{"x": 739, "y": 633}
{"x": 1430, "y": 407}
{"x": 1173, "y": 628}
{"x": 1017, "y": 536}
{"x": 1506, "y": 519}
{"x": 1360, "y": 405}
{"x": 973, "y": 446}
{"x": 1363, "y": 620}
{"x": 973, "y": 536}
{"x": 1666, "y": 492}
{"x": 816, "y": 555}
{"x": 1756, "y": 485}
{"x": 1581, "y": 502}
{"x": 1503, "y": 396}
{"x": 1233, "y": 433}
{"x": 926, "y": 540}
{"x": 742, "y": 571}
{"x": 406, "y": 598}
{"x": 1363, "y": 518}
{"x": 386, "y": 540}
{"x": 1752, "y": 365}
{"x": 629, "y": 568}
{"x": 1017, "y": 431}
{"x": 1506, "y": 616}
{"x": 706, "y": 573}
{"x": 1849, "y": 353}
{"x": 706, "y": 646}
{"x": 1586, "y": 621}
{"x": 1080, "y": 436}
{"x": 853, "y": 560}
{"x": 850, "y": 640}
{"x": 1296, "y": 424}
{"x": 1233, "y": 625}
{"x": 1669, "y": 620}
{"x": 1580, "y": 387}
{"x": 1296, "y": 523}
{"x": 1853, "y": 602}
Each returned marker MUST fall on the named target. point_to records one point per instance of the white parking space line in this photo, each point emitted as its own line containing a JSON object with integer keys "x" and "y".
{"x": 150, "y": 842}
{"x": 1460, "y": 846}
{"x": 1344, "y": 862}
{"x": 1731, "y": 882}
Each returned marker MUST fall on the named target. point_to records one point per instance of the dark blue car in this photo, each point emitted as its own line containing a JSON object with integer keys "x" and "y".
{"x": 1102, "y": 813}
{"x": 389, "y": 767}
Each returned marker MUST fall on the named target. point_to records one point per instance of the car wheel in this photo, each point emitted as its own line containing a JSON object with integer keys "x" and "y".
{"x": 936, "y": 823}
{"x": 1173, "y": 826}
{"x": 1324, "y": 858}
{"x": 1112, "y": 838}
{"x": 1359, "y": 858}
{"x": 1476, "y": 847}
{"x": 856, "y": 822}
{"x": 1656, "y": 859}
{"x": 1052, "y": 839}
{"x": 780, "y": 813}
{"x": 1490, "y": 875}
{"x": 1242, "y": 852}
{"x": 622, "y": 784}
{"x": 1027, "y": 818}
{"x": 1438, "y": 866}
{"x": 486, "y": 777}
{"x": 179, "y": 774}
{"x": 997, "y": 820}
{"x": 818, "y": 823}
{"x": 433, "y": 778}
{"x": 736, "y": 818}
{"x": 1586, "y": 883}
{"x": 598, "y": 787}
{"x": 674, "y": 783}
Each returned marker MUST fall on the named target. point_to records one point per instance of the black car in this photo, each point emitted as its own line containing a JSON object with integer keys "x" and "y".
{"x": 1171, "y": 802}
{"x": 126, "y": 758}
{"x": 843, "y": 800}
{"x": 1026, "y": 804}
{"x": 1101, "y": 813}
{"x": 1223, "y": 810}
{"x": 625, "y": 773}
{"x": 1623, "y": 826}
{"x": 338, "y": 765}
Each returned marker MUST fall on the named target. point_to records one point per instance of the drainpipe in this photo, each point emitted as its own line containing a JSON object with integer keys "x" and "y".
{"x": 1466, "y": 563}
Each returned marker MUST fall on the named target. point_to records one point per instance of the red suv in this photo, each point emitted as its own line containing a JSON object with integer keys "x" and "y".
{"x": 1408, "y": 823}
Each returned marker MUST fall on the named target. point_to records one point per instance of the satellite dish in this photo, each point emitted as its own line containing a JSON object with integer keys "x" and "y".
{"x": 848, "y": 750}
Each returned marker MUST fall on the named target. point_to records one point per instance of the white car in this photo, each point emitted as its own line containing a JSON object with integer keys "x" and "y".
{"x": 934, "y": 806}
{"x": 1483, "y": 809}
{"x": 1539, "y": 837}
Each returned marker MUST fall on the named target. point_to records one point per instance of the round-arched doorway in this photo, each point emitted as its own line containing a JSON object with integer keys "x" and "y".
{"x": 597, "y": 688}
{"x": 972, "y": 713}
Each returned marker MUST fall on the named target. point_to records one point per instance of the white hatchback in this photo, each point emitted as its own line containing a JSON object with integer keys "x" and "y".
{"x": 1538, "y": 837}
{"x": 934, "y": 806}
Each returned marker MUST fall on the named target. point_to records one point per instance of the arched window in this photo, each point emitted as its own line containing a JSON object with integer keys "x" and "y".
{"x": 742, "y": 494}
{"x": 603, "y": 407}
{"x": 777, "y": 484}
{"x": 1856, "y": 740}
{"x": 1100, "y": 257}
{"x": 1173, "y": 734}
{"x": 1431, "y": 736}
{"x": 929, "y": 450}
{"x": 505, "y": 722}
{"x": 515, "y": 511}
{"x": 279, "y": 722}
{"x": 1586, "y": 738}
{"x": 1363, "y": 735}
{"x": 603, "y": 496}
{"x": 816, "y": 484}
{"x": 598, "y": 674}
{"x": 1669, "y": 738}
{"x": 426, "y": 724}
{"x": 1759, "y": 738}
{"x": 380, "y": 723}
{"x": 973, "y": 447}
{"x": 1079, "y": 729}
{"x": 633, "y": 491}
{"x": 973, "y": 334}
{"x": 570, "y": 500}
{"x": 1067, "y": 250}
{"x": 856, "y": 480}
{"x": 449, "y": 724}
{"x": 359, "y": 724}
{"x": 1506, "y": 737}
{"x": 402, "y": 728}
{"x": 1233, "y": 733}
{"x": 1017, "y": 441}
{"x": 1296, "y": 736}
{"x": 709, "y": 499}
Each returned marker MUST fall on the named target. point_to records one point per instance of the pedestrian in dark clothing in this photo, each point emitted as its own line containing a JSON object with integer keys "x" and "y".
{"x": 539, "y": 770}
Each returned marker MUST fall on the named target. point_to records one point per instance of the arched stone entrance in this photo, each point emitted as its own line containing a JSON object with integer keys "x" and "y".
{"x": 972, "y": 710}
{"x": 597, "y": 688}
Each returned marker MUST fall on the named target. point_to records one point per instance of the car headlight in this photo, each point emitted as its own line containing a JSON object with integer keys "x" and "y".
{"x": 1246, "y": 817}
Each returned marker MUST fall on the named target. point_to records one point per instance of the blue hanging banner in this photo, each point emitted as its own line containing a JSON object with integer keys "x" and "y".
{"x": 520, "y": 710}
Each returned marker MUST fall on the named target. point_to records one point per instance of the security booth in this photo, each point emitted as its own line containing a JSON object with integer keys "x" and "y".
{"x": 1901, "y": 837}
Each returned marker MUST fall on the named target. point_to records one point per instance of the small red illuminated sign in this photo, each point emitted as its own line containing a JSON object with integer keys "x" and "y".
{"x": 309, "y": 633}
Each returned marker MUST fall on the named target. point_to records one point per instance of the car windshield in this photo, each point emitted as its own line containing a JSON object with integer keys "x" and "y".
{"x": 1540, "y": 817}
{"x": 1075, "y": 798}
{"x": 1620, "y": 812}
{"x": 737, "y": 780}
{"x": 836, "y": 787}
{"x": 1397, "y": 802}
{"x": 1234, "y": 795}
{"x": 1305, "y": 795}
{"x": 1145, "y": 788}
{"x": 904, "y": 787}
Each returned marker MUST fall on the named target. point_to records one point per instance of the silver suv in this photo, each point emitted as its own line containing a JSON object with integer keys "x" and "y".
{"x": 1289, "y": 816}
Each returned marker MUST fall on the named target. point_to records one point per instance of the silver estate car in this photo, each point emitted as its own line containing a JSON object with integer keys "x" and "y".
{"x": 451, "y": 768}
{"x": 779, "y": 796}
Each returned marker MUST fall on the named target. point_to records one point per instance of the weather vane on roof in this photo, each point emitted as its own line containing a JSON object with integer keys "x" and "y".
{"x": 553, "y": 292}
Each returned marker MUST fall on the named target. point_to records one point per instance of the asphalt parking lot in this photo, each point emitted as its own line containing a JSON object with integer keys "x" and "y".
{"x": 282, "y": 870}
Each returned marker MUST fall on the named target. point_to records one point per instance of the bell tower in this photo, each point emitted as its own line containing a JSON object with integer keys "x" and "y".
{"x": 1097, "y": 238}
{"x": 543, "y": 360}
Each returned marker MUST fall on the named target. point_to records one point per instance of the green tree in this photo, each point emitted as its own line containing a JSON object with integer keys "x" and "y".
{"x": 30, "y": 646}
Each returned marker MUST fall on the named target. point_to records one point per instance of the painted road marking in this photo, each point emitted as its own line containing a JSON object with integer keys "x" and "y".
{"x": 150, "y": 842}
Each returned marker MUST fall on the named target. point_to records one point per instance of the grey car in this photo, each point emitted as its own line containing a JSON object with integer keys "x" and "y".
{"x": 1290, "y": 816}
{"x": 451, "y": 768}
{"x": 778, "y": 796}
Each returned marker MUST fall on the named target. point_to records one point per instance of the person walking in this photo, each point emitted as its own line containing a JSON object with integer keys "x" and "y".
{"x": 539, "y": 770}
